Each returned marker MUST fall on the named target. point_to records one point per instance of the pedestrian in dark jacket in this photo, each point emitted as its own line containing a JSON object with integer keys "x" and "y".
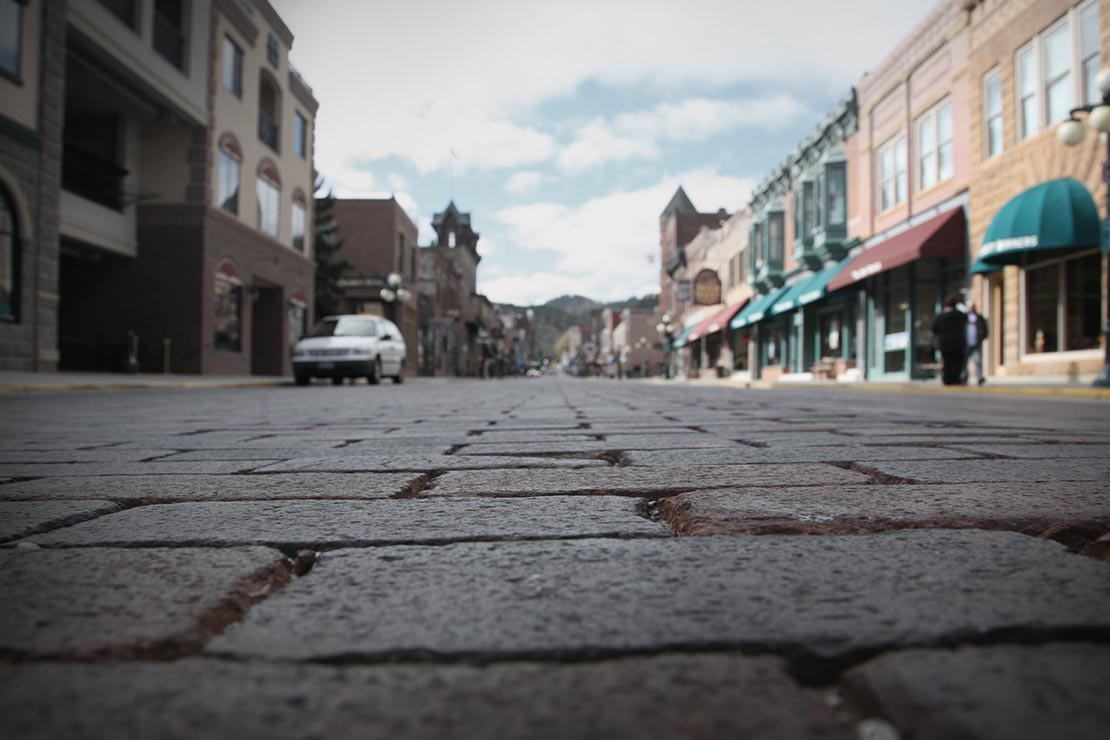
{"x": 976, "y": 333}
{"x": 950, "y": 335}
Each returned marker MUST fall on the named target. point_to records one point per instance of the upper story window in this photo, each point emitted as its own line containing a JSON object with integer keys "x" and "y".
{"x": 233, "y": 67}
{"x": 273, "y": 55}
{"x": 992, "y": 114}
{"x": 169, "y": 31}
{"x": 269, "y": 200}
{"x": 269, "y": 111}
{"x": 934, "y": 146}
{"x": 755, "y": 246}
{"x": 1089, "y": 52}
{"x": 400, "y": 253}
{"x": 892, "y": 173}
{"x": 836, "y": 194}
{"x": 298, "y": 225}
{"x": 1056, "y": 69}
{"x": 227, "y": 195}
{"x": 300, "y": 135}
{"x": 775, "y": 234}
{"x": 125, "y": 10}
{"x": 11, "y": 37}
{"x": 9, "y": 260}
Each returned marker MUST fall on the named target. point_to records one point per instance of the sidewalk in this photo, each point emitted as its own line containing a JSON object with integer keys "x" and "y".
{"x": 17, "y": 382}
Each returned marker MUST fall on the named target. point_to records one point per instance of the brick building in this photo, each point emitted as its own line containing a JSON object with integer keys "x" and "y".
{"x": 32, "y": 81}
{"x": 1030, "y": 61}
{"x": 184, "y": 194}
{"x": 679, "y": 224}
{"x": 379, "y": 238}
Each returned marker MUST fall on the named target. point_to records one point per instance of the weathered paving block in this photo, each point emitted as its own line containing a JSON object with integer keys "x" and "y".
{"x": 1038, "y": 451}
{"x": 987, "y": 471}
{"x": 738, "y": 454}
{"x": 826, "y": 597}
{"x": 661, "y": 697}
{"x": 628, "y": 481}
{"x": 42, "y": 470}
{"x": 527, "y": 438}
{"x": 102, "y": 455}
{"x": 276, "y": 453}
{"x": 118, "y": 603}
{"x": 166, "y": 489}
{"x": 332, "y": 524}
{"x": 22, "y": 518}
{"x": 369, "y": 462}
{"x": 1024, "y": 507}
{"x": 538, "y": 448}
{"x": 649, "y": 441}
{"x": 983, "y": 693}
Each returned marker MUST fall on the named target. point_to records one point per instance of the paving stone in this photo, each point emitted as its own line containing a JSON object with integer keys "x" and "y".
{"x": 593, "y": 447}
{"x": 102, "y": 455}
{"x": 526, "y": 438}
{"x": 167, "y": 489}
{"x": 1024, "y": 507}
{"x": 43, "y": 470}
{"x": 429, "y": 463}
{"x": 651, "y": 441}
{"x": 983, "y": 693}
{"x": 118, "y": 603}
{"x": 988, "y": 471}
{"x": 825, "y": 597}
{"x": 659, "y": 697}
{"x": 1038, "y": 451}
{"x": 23, "y": 518}
{"x": 277, "y": 453}
{"x": 628, "y": 481}
{"x": 321, "y": 525}
{"x": 738, "y": 454}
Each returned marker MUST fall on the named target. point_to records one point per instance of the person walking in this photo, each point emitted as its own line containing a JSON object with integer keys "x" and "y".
{"x": 976, "y": 332}
{"x": 950, "y": 335}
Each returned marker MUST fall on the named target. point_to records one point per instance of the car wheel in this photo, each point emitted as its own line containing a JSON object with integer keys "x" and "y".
{"x": 400, "y": 376}
{"x": 375, "y": 375}
{"x": 337, "y": 380}
{"x": 301, "y": 379}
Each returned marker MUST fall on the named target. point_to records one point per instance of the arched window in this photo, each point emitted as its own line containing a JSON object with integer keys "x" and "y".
{"x": 228, "y": 314}
{"x": 230, "y": 164}
{"x": 9, "y": 259}
{"x": 268, "y": 189}
{"x": 298, "y": 222}
{"x": 269, "y": 111}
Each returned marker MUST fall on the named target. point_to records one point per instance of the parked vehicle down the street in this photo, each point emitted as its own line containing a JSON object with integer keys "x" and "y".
{"x": 350, "y": 346}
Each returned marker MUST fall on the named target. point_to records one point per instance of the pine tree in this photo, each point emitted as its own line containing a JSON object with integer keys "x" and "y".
{"x": 327, "y": 244}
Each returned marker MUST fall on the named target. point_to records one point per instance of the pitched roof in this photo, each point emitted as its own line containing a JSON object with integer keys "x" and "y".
{"x": 462, "y": 219}
{"x": 680, "y": 203}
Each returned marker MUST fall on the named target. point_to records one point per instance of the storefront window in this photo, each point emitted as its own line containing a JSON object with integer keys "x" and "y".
{"x": 9, "y": 261}
{"x": 1083, "y": 310}
{"x": 891, "y": 305}
{"x": 832, "y": 337}
{"x": 228, "y": 313}
{"x": 926, "y": 305}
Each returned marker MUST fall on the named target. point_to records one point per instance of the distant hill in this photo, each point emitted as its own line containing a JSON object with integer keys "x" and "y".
{"x": 551, "y": 319}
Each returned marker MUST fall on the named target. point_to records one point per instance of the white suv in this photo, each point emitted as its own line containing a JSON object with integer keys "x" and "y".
{"x": 350, "y": 346}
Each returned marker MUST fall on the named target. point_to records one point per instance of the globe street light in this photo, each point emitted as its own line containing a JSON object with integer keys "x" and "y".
{"x": 1071, "y": 133}
{"x": 666, "y": 330}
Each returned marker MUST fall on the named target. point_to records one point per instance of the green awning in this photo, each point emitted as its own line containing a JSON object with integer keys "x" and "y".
{"x": 1058, "y": 214}
{"x": 807, "y": 290}
{"x": 756, "y": 310}
{"x": 680, "y": 341}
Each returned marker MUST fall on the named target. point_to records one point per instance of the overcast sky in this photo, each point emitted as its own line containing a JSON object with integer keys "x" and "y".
{"x": 565, "y": 127}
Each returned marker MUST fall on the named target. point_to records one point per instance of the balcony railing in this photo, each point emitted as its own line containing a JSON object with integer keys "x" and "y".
{"x": 268, "y": 131}
{"x": 93, "y": 178}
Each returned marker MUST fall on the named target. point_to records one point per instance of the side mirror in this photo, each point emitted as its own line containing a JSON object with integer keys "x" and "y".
{"x": 386, "y": 337}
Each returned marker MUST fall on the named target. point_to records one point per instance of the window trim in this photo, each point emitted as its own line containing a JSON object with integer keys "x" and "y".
{"x": 1020, "y": 97}
{"x": 1068, "y": 27}
{"x": 1024, "y": 355}
{"x": 1096, "y": 55}
{"x": 897, "y": 173}
{"x": 996, "y": 75}
{"x": 237, "y": 56}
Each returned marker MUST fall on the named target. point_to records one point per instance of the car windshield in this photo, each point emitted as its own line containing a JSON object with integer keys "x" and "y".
{"x": 345, "y": 326}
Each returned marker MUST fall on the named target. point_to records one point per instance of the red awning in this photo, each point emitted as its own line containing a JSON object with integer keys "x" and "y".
{"x": 716, "y": 322}
{"x": 943, "y": 236}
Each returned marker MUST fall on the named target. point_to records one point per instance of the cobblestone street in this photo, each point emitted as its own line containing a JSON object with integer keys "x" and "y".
{"x": 553, "y": 559}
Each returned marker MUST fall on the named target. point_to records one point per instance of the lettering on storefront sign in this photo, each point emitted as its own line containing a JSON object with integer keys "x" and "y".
{"x": 707, "y": 288}
{"x": 867, "y": 271}
{"x": 809, "y": 297}
{"x": 1005, "y": 245}
{"x": 360, "y": 282}
{"x": 897, "y": 341}
{"x": 782, "y": 306}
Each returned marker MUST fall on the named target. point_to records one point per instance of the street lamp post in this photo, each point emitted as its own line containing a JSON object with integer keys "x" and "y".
{"x": 1071, "y": 133}
{"x": 666, "y": 330}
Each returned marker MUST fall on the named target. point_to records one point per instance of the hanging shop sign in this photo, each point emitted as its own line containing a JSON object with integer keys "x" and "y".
{"x": 707, "y": 288}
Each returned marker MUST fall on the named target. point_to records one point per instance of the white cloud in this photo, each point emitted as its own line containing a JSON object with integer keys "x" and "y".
{"x": 525, "y": 182}
{"x": 637, "y": 135}
{"x": 414, "y": 79}
{"x": 397, "y": 181}
{"x": 601, "y": 247}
